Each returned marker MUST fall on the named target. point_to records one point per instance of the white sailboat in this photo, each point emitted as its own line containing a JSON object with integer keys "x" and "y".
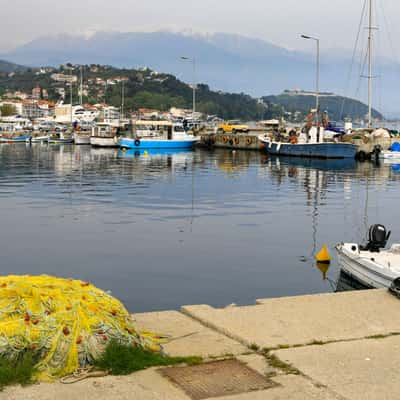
{"x": 372, "y": 264}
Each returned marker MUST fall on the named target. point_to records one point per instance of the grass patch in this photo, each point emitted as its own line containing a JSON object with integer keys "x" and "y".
{"x": 120, "y": 359}
{"x": 317, "y": 343}
{"x": 254, "y": 346}
{"x": 277, "y": 363}
{"x": 16, "y": 372}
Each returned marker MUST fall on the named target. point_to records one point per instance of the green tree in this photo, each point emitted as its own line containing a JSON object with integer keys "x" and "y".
{"x": 7, "y": 110}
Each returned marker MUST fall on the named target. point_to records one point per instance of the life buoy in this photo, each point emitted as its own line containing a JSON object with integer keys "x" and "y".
{"x": 137, "y": 142}
{"x": 249, "y": 140}
{"x": 236, "y": 140}
{"x": 225, "y": 139}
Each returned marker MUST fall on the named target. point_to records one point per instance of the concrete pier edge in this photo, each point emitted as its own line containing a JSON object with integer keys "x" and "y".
{"x": 342, "y": 346}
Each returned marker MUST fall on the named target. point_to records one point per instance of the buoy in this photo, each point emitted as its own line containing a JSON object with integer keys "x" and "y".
{"x": 324, "y": 268}
{"x": 323, "y": 256}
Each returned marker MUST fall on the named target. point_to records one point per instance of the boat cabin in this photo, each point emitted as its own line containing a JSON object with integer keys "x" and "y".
{"x": 104, "y": 130}
{"x": 158, "y": 129}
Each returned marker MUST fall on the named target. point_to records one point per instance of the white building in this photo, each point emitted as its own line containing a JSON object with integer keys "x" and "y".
{"x": 64, "y": 78}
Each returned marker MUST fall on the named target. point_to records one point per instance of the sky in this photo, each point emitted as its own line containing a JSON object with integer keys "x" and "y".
{"x": 335, "y": 22}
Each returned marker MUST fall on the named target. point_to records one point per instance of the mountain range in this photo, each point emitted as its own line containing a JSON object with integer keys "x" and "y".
{"x": 225, "y": 62}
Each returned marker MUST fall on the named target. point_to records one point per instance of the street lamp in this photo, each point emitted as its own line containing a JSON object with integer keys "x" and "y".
{"x": 317, "y": 72}
{"x": 193, "y": 60}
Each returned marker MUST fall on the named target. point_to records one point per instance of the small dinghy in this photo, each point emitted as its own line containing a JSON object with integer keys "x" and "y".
{"x": 392, "y": 154}
{"x": 371, "y": 265}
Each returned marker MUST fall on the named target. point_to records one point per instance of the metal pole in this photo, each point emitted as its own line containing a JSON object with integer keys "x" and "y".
{"x": 194, "y": 90}
{"x": 317, "y": 83}
{"x": 317, "y": 94}
{"x": 370, "y": 66}
{"x": 70, "y": 83}
{"x": 122, "y": 101}
{"x": 80, "y": 96}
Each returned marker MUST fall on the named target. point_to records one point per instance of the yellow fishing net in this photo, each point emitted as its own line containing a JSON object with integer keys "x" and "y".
{"x": 65, "y": 323}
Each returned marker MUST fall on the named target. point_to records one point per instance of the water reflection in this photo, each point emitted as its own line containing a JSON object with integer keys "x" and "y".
{"x": 165, "y": 229}
{"x": 346, "y": 283}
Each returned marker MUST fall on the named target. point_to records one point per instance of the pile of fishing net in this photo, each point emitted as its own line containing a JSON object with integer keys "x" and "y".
{"x": 64, "y": 323}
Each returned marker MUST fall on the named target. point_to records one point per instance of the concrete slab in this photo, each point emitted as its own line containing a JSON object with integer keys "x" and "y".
{"x": 258, "y": 363}
{"x": 358, "y": 370}
{"x": 291, "y": 388}
{"x": 187, "y": 336}
{"x": 301, "y": 320}
{"x": 144, "y": 385}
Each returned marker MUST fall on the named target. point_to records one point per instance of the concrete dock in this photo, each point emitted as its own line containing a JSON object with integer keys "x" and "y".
{"x": 329, "y": 346}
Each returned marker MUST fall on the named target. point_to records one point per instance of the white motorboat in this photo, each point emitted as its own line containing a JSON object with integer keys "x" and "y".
{"x": 371, "y": 265}
{"x": 104, "y": 135}
{"x": 389, "y": 155}
{"x": 81, "y": 138}
{"x": 40, "y": 139}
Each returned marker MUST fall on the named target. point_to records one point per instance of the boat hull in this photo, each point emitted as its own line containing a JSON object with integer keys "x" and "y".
{"x": 82, "y": 139}
{"x": 100, "y": 141}
{"x": 363, "y": 273}
{"x": 61, "y": 141}
{"x": 144, "y": 144}
{"x": 315, "y": 150}
{"x": 19, "y": 139}
{"x": 390, "y": 155}
{"x": 40, "y": 139}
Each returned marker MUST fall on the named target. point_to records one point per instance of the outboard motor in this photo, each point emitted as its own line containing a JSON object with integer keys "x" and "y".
{"x": 375, "y": 153}
{"x": 377, "y": 238}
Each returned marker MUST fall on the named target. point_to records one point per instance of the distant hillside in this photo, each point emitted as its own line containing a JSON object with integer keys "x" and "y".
{"x": 338, "y": 107}
{"x": 227, "y": 62}
{"x": 143, "y": 89}
{"x": 8, "y": 67}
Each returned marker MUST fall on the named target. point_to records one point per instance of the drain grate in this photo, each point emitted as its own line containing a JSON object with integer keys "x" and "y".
{"x": 218, "y": 378}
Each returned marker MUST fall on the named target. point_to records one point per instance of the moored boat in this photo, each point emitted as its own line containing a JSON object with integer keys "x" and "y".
{"x": 61, "y": 138}
{"x": 371, "y": 265}
{"x": 15, "y": 139}
{"x": 393, "y": 153}
{"x": 312, "y": 146}
{"x": 40, "y": 139}
{"x": 81, "y": 138}
{"x": 104, "y": 135}
{"x": 172, "y": 136}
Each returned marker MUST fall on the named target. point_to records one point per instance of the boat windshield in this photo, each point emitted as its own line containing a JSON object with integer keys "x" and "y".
{"x": 179, "y": 128}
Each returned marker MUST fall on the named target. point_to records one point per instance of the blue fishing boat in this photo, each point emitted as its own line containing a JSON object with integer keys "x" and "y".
{"x": 316, "y": 150}
{"x": 15, "y": 139}
{"x": 158, "y": 135}
{"x": 309, "y": 145}
{"x": 60, "y": 138}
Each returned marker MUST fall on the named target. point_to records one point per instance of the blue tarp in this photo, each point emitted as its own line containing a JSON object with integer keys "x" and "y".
{"x": 395, "y": 146}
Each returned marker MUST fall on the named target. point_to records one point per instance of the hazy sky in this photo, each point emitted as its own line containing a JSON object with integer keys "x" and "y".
{"x": 334, "y": 21}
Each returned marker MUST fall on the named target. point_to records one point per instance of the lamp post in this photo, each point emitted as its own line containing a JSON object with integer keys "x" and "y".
{"x": 193, "y": 60}
{"x": 317, "y": 81}
{"x": 317, "y": 72}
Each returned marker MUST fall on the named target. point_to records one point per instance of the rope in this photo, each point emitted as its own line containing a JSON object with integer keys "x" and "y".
{"x": 81, "y": 374}
{"x": 353, "y": 56}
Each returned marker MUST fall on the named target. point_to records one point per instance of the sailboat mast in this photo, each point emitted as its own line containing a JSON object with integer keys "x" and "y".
{"x": 81, "y": 88}
{"x": 370, "y": 65}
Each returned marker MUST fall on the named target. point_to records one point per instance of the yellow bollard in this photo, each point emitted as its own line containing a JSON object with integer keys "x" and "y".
{"x": 323, "y": 256}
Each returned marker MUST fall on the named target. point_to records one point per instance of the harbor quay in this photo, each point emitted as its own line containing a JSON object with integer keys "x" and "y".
{"x": 325, "y": 346}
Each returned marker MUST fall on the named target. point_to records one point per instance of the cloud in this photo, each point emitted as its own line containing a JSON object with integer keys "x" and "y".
{"x": 335, "y": 22}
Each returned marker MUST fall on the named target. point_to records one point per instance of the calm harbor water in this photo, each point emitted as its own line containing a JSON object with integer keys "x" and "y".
{"x": 163, "y": 230}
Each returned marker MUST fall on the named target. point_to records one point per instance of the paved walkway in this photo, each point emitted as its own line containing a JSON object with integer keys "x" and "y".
{"x": 341, "y": 346}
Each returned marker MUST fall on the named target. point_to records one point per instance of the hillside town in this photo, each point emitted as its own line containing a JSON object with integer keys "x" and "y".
{"x": 70, "y": 98}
